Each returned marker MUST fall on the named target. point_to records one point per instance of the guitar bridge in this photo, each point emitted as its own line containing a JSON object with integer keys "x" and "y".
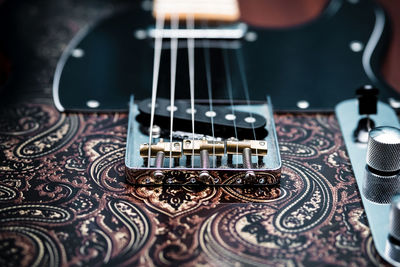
{"x": 189, "y": 159}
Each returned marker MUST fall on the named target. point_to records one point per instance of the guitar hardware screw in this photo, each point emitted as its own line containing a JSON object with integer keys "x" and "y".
{"x": 140, "y": 34}
{"x": 192, "y": 180}
{"x": 93, "y": 103}
{"x": 251, "y": 36}
{"x": 394, "y": 103}
{"x": 78, "y": 53}
{"x": 158, "y": 174}
{"x": 205, "y": 164}
{"x": 156, "y": 131}
{"x": 356, "y": 46}
{"x": 147, "y": 5}
{"x": 261, "y": 180}
{"x": 147, "y": 180}
{"x": 303, "y": 104}
{"x": 238, "y": 180}
{"x": 247, "y": 163}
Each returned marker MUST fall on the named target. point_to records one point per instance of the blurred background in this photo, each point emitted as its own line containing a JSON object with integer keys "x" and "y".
{"x": 33, "y": 34}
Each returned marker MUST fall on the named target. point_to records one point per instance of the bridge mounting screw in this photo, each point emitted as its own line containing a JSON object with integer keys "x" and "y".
{"x": 158, "y": 174}
{"x": 247, "y": 163}
{"x": 205, "y": 164}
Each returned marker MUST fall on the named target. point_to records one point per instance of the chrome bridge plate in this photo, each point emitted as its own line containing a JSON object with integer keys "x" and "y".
{"x": 227, "y": 170}
{"x": 377, "y": 213}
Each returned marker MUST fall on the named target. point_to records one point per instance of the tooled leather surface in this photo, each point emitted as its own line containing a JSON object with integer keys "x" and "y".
{"x": 64, "y": 200}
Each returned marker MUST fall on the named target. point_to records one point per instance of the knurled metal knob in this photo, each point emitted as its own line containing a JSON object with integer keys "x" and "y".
{"x": 383, "y": 152}
{"x": 394, "y": 219}
{"x": 380, "y": 188}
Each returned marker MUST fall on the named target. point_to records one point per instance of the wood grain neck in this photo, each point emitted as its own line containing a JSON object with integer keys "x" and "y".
{"x": 211, "y": 10}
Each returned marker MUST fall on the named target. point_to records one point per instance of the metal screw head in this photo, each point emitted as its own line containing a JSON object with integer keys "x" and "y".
{"x": 93, "y": 103}
{"x": 238, "y": 180}
{"x": 261, "y": 180}
{"x": 147, "y": 5}
{"x": 193, "y": 180}
{"x": 204, "y": 175}
{"x": 158, "y": 174}
{"x": 303, "y": 104}
{"x": 156, "y": 131}
{"x": 140, "y": 34}
{"x": 216, "y": 180}
{"x": 250, "y": 175}
{"x": 356, "y": 46}
{"x": 251, "y": 36}
{"x": 394, "y": 103}
{"x": 78, "y": 53}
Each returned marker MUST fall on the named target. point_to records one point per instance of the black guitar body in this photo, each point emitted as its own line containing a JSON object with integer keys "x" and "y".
{"x": 321, "y": 62}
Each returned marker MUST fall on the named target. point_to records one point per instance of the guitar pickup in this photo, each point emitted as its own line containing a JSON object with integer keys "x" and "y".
{"x": 226, "y": 122}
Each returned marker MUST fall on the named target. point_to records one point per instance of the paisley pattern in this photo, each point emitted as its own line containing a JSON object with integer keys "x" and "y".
{"x": 65, "y": 201}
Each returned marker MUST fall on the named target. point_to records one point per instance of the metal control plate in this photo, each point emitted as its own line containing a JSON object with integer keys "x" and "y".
{"x": 377, "y": 213}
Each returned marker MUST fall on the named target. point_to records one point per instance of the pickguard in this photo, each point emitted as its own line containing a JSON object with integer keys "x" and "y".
{"x": 314, "y": 62}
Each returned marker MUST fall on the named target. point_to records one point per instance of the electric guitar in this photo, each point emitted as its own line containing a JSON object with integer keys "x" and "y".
{"x": 184, "y": 133}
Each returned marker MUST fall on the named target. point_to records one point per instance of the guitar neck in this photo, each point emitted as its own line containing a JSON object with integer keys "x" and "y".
{"x": 201, "y": 10}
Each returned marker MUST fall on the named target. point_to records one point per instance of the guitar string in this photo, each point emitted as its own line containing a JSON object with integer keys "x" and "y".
{"x": 206, "y": 44}
{"x": 230, "y": 94}
{"x": 156, "y": 70}
{"x": 239, "y": 57}
{"x": 190, "y": 43}
{"x": 174, "y": 54}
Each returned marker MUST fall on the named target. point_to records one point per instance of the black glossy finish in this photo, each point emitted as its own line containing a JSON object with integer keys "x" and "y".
{"x": 312, "y": 62}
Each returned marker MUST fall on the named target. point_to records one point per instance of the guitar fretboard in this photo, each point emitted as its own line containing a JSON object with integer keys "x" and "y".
{"x": 213, "y": 10}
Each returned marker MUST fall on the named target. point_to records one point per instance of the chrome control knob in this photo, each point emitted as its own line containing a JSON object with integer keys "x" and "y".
{"x": 383, "y": 152}
{"x": 394, "y": 219}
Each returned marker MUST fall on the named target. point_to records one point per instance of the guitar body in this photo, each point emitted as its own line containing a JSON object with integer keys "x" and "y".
{"x": 64, "y": 195}
{"x": 312, "y": 62}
